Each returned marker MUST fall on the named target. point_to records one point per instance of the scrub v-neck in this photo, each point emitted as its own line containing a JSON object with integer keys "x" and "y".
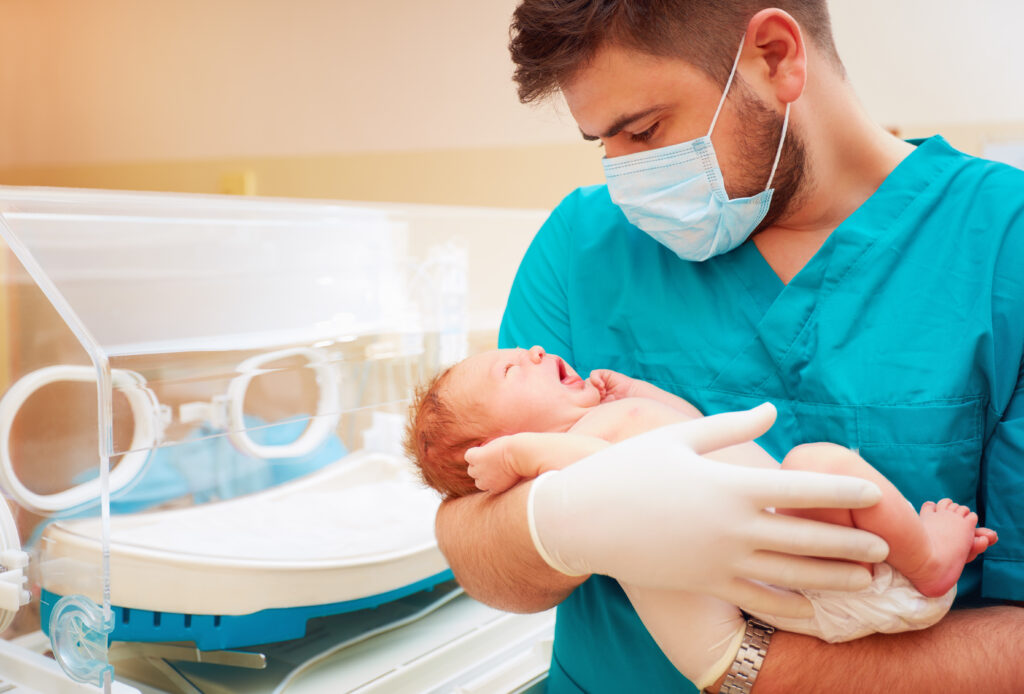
{"x": 781, "y": 313}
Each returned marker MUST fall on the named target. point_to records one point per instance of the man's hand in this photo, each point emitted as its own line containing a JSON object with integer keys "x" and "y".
{"x": 652, "y": 512}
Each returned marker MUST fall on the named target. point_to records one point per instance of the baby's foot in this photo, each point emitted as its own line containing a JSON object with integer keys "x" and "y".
{"x": 950, "y": 529}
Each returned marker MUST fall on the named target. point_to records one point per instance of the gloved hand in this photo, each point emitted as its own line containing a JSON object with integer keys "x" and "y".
{"x": 650, "y": 511}
{"x": 700, "y": 634}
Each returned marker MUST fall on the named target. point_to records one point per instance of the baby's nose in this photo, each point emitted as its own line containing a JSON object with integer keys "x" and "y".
{"x": 536, "y": 354}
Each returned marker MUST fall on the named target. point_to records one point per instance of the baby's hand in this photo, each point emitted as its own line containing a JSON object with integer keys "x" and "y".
{"x": 501, "y": 464}
{"x": 612, "y": 385}
{"x": 491, "y": 466}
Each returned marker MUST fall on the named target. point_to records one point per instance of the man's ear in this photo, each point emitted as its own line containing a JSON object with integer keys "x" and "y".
{"x": 775, "y": 57}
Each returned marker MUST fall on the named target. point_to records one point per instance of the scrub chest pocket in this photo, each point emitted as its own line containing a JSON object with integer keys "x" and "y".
{"x": 926, "y": 449}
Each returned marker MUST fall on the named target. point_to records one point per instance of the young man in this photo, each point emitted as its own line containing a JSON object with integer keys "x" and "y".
{"x": 874, "y": 296}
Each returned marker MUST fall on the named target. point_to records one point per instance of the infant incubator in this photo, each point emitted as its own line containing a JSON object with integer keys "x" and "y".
{"x": 203, "y": 403}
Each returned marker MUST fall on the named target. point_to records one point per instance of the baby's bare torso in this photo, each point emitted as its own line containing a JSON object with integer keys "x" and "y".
{"x": 621, "y": 419}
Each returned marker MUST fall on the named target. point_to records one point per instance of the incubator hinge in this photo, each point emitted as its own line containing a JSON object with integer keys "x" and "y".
{"x": 213, "y": 412}
{"x": 13, "y": 580}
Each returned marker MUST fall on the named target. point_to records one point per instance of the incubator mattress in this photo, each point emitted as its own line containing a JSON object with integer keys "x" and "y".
{"x": 359, "y": 527}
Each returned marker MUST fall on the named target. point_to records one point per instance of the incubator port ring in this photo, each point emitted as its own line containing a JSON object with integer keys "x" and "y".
{"x": 79, "y": 631}
{"x": 323, "y": 422}
{"x": 145, "y": 435}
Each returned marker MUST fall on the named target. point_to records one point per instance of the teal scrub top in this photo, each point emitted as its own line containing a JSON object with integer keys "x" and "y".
{"x": 902, "y": 338}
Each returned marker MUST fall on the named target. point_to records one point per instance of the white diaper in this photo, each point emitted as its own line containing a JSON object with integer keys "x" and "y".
{"x": 891, "y": 604}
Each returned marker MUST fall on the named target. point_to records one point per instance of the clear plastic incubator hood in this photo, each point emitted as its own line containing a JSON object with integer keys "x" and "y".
{"x": 203, "y": 402}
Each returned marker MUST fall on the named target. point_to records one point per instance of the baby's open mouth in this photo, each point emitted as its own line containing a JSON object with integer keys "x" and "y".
{"x": 566, "y": 375}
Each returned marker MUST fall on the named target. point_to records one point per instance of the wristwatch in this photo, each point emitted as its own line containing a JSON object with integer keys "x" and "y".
{"x": 746, "y": 666}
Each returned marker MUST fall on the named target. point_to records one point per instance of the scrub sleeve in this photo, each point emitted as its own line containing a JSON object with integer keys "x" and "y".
{"x": 902, "y": 338}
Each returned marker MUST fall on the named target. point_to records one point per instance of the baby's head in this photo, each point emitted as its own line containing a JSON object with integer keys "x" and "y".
{"x": 504, "y": 391}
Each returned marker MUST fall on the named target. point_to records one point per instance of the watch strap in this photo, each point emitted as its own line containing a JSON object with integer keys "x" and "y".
{"x": 747, "y": 665}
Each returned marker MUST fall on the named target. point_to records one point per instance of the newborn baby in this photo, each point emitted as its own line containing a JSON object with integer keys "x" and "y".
{"x": 516, "y": 397}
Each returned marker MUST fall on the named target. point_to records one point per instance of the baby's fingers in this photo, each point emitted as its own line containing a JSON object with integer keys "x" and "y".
{"x": 492, "y": 481}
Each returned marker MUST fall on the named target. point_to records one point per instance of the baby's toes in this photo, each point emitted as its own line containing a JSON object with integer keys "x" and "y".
{"x": 944, "y": 504}
{"x": 979, "y": 545}
{"x": 987, "y": 533}
{"x": 928, "y": 506}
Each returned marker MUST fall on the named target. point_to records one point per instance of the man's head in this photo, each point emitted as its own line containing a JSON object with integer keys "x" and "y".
{"x": 553, "y": 39}
{"x": 504, "y": 391}
{"x": 643, "y": 74}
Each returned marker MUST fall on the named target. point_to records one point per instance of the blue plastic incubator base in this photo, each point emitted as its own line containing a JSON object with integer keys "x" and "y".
{"x": 218, "y": 632}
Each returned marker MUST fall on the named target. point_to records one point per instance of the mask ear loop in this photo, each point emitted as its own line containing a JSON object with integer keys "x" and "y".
{"x": 778, "y": 152}
{"x": 728, "y": 83}
{"x": 721, "y": 103}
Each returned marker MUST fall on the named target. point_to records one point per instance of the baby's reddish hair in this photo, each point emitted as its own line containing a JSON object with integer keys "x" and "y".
{"x": 435, "y": 438}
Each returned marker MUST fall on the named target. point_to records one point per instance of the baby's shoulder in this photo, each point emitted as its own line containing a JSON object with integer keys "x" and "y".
{"x": 620, "y": 419}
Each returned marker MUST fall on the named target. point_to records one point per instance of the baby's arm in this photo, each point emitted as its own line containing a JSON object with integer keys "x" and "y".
{"x": 500, "y": 464}
{"x": 615, "y": 386}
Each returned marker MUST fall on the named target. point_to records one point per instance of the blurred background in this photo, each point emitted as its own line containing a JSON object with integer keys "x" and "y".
{"x": 404, "y": 100}
{"x": 398, "y": 101}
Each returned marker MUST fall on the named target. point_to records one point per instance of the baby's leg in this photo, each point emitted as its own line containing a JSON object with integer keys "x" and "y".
{"x": 929, "y": 548}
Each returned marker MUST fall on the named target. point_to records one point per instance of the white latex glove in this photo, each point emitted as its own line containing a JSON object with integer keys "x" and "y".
{"x": 650, "y": 511}
{"x": 698, "y": 633}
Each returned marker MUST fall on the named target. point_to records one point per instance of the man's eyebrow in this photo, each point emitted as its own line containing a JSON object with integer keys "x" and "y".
{"x": 621, "y": 122}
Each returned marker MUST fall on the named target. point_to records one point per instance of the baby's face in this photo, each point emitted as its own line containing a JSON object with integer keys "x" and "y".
{"x": 514, "y": 390}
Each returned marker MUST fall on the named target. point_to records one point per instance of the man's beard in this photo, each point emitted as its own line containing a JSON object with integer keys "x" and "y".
{"x": 757, "y": 142}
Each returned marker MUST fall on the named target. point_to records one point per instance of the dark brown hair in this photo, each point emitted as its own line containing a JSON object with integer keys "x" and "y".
{"x": 436, "y": 438}
{"x": 552, "y": 39}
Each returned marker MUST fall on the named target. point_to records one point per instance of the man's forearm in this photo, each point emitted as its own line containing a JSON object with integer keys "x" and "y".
{"x": 486, "y": 540}
{"x": 968, "y": 651}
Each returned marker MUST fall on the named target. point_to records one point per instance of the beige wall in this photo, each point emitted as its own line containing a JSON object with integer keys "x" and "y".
{"x": 401, "y": 100}
{"x": 535, "y": 176}
{"x": 947, "y": 62}
{"x": 141, "y": 80}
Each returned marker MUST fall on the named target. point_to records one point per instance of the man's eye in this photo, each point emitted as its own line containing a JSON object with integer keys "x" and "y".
{"x": 645, "y": 135}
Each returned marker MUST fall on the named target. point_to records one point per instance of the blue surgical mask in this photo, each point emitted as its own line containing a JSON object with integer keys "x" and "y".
{"x": 677, "y": 195}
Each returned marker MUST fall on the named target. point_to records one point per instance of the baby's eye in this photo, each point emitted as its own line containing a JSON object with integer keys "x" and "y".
{"x": 645, "y": 135}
